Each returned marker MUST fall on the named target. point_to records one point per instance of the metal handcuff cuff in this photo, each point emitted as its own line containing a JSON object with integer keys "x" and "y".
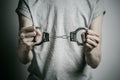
{"x": 73, "y": 36}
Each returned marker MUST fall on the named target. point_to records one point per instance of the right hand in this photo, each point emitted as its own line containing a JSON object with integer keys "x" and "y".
{"x": 29, "y": 36}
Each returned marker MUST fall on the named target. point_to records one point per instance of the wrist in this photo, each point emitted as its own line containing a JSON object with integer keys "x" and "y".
{"x": 23, "y": 48}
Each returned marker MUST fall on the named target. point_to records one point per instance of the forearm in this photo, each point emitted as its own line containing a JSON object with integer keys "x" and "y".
{"x": 93, "y": 57}
{"x": 24, "y": 53}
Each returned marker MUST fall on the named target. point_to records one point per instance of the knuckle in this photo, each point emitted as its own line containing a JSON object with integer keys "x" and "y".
{"x": 34, "y": 33}
{"x": 24, "y": 41}
{"x": 22, "y": 35}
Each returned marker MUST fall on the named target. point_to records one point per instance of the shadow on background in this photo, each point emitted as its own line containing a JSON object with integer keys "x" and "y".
{"x": 10, "y": 67}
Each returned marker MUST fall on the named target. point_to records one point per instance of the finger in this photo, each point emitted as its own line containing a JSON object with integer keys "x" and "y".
{"x": 83, "y": 37}
{"x": 91, "y": 32}
{"x": 28, "y": 42}
{"x": 22, "y": 35}
{"x": 89, "y": 46}
{"x": 38, "y": 32}
{"x": 28, "y": 29}
{"x": 36, "y": 38}
{"x": 28, "y": 39}
{"x": 27, "y": 35}
{"x": 93, "y": 38}
{"x": 92, "y": 43}
{"x": 30, "y": 34}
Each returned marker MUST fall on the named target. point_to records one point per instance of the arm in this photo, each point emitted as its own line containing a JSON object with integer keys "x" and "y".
{"x": 24, "y": 52}
{"x": 28, "y": 37}
{"x": 92, "y": 48}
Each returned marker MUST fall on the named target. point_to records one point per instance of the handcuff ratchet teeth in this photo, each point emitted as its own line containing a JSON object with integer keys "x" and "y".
{"x": 73, "y": 36}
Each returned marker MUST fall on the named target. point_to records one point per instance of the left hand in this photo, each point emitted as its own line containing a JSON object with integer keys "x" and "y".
{"x": 90, "y": 38}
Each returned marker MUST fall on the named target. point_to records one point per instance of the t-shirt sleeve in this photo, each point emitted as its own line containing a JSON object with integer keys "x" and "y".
{"x": 99, "y": 8}
{"x": 23, "y": 9}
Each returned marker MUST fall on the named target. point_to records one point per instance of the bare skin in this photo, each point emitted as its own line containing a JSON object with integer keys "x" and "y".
{"x": 28, "y": 36}
{"x": 92, "y": 39}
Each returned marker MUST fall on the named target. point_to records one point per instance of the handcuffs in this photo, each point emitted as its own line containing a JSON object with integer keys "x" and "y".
{"x": 73, "y": 36}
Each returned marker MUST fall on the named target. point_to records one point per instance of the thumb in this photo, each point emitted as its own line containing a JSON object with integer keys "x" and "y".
{"x": 38, "y": 34}
{"x": 83, "y": 36}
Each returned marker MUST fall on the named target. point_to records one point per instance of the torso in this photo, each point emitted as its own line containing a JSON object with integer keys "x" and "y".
{"x": 61, "y": 59}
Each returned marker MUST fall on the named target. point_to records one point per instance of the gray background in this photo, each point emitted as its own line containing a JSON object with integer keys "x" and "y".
{"x": 12, "y": 69}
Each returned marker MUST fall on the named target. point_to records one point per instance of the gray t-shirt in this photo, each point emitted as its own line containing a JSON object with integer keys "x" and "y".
{"x": 59, "y": 58}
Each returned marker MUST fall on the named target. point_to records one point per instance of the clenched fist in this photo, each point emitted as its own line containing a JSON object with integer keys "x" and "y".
{"x": 90, "y": 39}
{"x": 30, "y": 36}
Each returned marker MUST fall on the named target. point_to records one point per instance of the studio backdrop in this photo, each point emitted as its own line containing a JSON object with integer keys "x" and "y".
{"x": 12, "y": 69}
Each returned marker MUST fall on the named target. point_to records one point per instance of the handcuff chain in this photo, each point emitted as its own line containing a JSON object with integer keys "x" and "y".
{"x": 63, "y": 37}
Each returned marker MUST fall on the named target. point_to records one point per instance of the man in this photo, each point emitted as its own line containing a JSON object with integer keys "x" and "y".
{"x": 57, "y": 57}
